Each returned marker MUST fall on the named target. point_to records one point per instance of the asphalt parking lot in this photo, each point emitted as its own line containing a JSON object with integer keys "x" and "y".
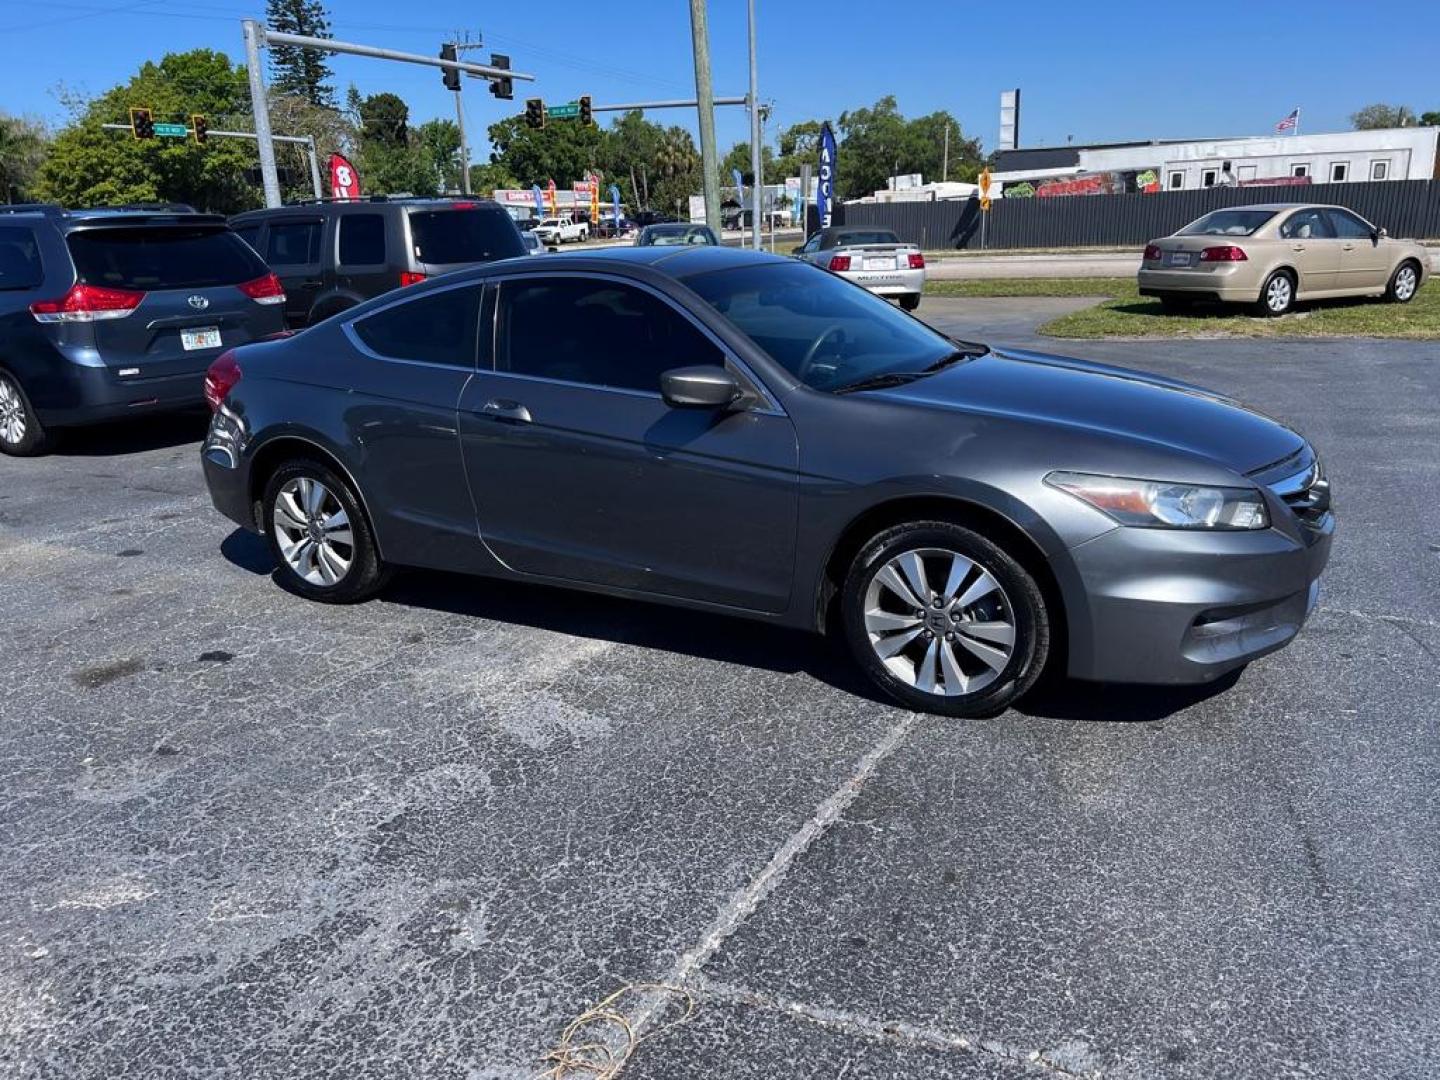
{"x": 246, "y": 835}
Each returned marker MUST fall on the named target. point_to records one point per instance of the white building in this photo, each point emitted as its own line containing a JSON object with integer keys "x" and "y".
{"x": 1408, "y": 153}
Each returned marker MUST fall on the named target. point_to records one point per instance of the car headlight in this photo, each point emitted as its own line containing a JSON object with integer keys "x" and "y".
{"x": 1158, "y": 504}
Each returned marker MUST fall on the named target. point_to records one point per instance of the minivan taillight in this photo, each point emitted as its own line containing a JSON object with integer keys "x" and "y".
{"x": 840, "y": 262}
{"x": 87, "y": 303}
{"x": 409, "y": 277}
{"x": 224, "y": 373}
{"x": 917, "y": 261}
{"x": 1152, "y": 253}
{"x": 1224, "y": 253}
{"x": 264, "y": 290}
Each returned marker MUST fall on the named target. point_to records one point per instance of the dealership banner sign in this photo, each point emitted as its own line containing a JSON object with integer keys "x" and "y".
{"x": 825, "y": 189}
{"x": 344, "y": 179}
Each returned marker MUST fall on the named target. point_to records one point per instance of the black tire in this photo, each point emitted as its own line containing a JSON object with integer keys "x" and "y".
{"x": 365, "y": 574}
{"x": 910, "y": 301}
{"x": 1283, "y": 300}
{"x": 1395, "y": 292}
{"x": 16, "y": 412}
{"x": 1018, "y": 601}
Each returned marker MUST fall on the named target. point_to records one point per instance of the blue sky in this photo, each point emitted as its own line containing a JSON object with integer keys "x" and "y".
{"x": 1094, "y": 71}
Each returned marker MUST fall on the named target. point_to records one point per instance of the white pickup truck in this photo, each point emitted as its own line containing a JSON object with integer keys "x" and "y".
{"x": 558, "y": 230}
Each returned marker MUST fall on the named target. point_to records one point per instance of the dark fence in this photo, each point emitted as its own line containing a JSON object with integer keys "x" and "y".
{"x": 1409, "y": 208}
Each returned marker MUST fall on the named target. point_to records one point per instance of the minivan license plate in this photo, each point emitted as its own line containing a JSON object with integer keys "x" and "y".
{"x": 202, "y": 337}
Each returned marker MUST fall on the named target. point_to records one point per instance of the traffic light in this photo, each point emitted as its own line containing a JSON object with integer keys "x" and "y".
{"x": 142, "y": 124}
{"x": 535, "y": 113}
{"x": 585, "y": 109}
{"x": 450, "y": 75}
{"x": 200, "y": 127}
{"x": 502, "y": 88}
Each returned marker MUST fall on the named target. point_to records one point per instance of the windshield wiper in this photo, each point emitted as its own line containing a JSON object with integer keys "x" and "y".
{"x": 899, "y": 378}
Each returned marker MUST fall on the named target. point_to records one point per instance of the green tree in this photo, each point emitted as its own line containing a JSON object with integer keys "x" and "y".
{"x": 23, "y": 144}
{"x": 878, "y": 143}
{"x": 1381, "y": 115}
{"x": 294, "y": 70}
{"x": 1430, "y": 119}
{"x": 89, "y": 166}
{"x": 385, "y": 121}
{"x": 799, "y": 144}
{"x": 485, "y": 178}
{"x": 676, "y": 175}
{"x": 927, "y": 149}
{"x": 738, "y": 157}
{"x": 439, "y": 141}
{"x": 562, "y": 150}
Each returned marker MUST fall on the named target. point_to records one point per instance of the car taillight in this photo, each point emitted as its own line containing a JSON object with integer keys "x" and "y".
{"x": 224, "y": 373}
{"x": 87, "y": 303}
{"x": 264, "y": 290}
{"x": 840, "y": 262}
{"x": 917, "y": 261}
{"x": 1224, "y": 253}
{"x": 409, "y": 277}
{"x": 1152, "y": 253}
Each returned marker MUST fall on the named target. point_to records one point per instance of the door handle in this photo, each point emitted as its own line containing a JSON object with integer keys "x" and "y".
{"x": 503, "y": 409}
{"x": 1348, "y": 247}
{"x": 1297, "y": 247}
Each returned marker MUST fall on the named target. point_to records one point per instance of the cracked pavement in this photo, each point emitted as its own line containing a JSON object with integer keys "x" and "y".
{"x": 245, "y": 835}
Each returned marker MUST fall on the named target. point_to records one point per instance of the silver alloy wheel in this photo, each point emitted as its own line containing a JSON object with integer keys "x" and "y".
{"x": 313, "y": 531}
{"x": 1278, "y": 293}
{"x": 1405, "y": 282}
{"x": 12, "y": 414}
{"x": 939, "y": 622}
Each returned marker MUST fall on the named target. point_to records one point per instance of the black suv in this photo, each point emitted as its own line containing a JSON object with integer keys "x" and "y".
{"x": 332, "y": 255}
{"x": 109, "y": 313}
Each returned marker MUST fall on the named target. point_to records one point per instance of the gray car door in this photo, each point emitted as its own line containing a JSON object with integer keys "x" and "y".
{"x": 581, "y": 472}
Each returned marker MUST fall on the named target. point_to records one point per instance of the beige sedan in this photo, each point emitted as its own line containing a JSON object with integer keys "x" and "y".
{"x": 1274, "y": 254}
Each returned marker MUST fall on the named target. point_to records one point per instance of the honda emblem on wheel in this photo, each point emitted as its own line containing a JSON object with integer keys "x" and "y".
{"x": 199, "y": 303}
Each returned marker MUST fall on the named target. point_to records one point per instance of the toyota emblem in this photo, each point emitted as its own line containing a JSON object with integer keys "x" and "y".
{"x": 199, "y": 303}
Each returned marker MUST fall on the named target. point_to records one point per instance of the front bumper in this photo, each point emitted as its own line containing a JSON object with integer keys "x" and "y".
{"x": 1172, "y": 606}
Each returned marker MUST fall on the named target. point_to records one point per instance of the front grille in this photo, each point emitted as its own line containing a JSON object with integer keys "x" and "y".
{"x": 1299, "y": 482}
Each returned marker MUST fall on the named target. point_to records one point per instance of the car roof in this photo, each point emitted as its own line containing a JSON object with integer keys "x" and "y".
{"x": 678, "y": 262}
{"x": 371, "y": 203}
{"x": 1275, "y": 208}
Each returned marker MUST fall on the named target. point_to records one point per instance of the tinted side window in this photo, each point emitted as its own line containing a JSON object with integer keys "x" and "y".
{"x": 438, "y": 329}
{"x": 1307, "y": 225}
{"x": 293, "y": 243}
{"x": 362, "y": 239}
{"x": 19, "y": 259}
{"x": 596, "y": 332}
{"x": 1348, "y": 226}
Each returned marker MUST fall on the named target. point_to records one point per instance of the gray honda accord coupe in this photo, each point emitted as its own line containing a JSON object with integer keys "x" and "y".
{"x": 746, "y": 434}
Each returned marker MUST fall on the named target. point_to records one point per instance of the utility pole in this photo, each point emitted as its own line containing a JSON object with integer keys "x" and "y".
{"x": 945, "y": 168}
{"x": 705, "y": 103}
{"x": 464, "y": 145}
{"x": 270, "y": 178}
{"x": 757, "y": 157}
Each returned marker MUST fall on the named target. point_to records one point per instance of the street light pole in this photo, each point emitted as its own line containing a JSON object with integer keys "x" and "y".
{"x": 757, "y": 158}
{"x": 269, "y": 175}
{"x": 705, "y": 103}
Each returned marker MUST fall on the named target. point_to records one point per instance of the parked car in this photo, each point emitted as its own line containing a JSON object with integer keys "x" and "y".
{"x": 872, "y": 258}
{"x": 108, "y": 313}
{"x": 1271, "y": 255}
{"x": 560, "y": 230}
{"x": 532, "y": 243}
{"x": 332, "y": 255}
{"x": 748, "y": 408}
{"x": 675, "y": 235}
{"x": 653, "y": 217}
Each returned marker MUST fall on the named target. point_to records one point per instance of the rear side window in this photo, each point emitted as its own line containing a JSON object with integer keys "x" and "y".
{"x": 19, "y": 259}
{"x": 249, "y": 233}
{"x": 597, "y": 332}
{"x": 440, "y": 328}
{"x": 362, "y": 239}
{"x": 168, "y": 257}
{"x": 463, "y": 236}
{"x": 1307, "y": 225}
{"x": 293, "y": 243}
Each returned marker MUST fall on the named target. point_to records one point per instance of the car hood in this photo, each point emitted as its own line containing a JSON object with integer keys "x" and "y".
{"x": 1108, "y": 400}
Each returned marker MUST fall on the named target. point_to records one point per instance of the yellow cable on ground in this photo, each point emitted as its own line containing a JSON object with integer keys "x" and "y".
{"x": 596, "y": 1057}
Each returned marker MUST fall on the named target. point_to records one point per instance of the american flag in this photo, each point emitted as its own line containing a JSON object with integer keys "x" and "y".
{"x": 1290, "y": 123}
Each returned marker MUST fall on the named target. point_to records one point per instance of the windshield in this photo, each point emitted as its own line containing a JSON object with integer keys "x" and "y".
{"x": 464, "y": 236}
{"x": 826, "y": 332}
{"x": 669, "y": 235}
{"x": 163, "y": 257}
{"x": 1228, "y": 223}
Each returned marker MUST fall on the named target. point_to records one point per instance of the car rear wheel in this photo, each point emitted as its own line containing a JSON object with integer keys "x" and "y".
{"x": 1277, "y": 295}
{"x": 319, "y": 535}
{"x": 21, "y": 434}
{"x": 910, "y": 301}
{"x": 1403, "y": 283}
{"x": 943, "y": 620}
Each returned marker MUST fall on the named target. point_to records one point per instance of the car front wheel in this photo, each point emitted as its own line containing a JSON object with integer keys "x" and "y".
{"x": 318, "y": 533}
{"x": 20, "y": 432}
{"x": 943, "y": 620}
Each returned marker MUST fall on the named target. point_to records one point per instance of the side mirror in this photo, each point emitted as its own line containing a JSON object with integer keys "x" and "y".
{"x": 797, "y": 251}
{"x": 703, "y": 387}
{"x": 1381, "y": 234}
